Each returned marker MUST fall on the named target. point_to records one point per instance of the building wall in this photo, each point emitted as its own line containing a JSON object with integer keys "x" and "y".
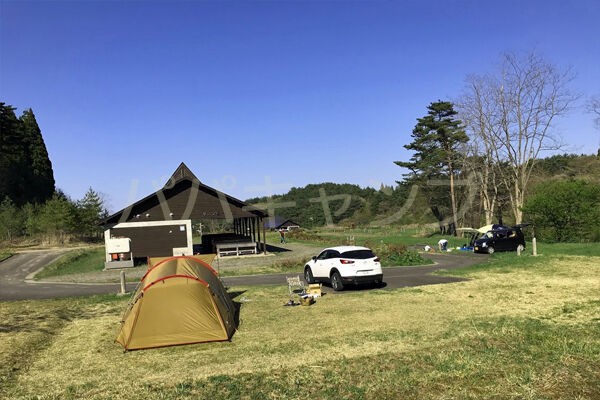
{"x": 155, "y": 239}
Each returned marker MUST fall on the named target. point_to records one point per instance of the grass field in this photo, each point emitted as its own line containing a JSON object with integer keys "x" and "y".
{"x": 521, "y": 328}
{"x": 4, "y": 254}
{"x": 87, "y": 264}
{"x": 79, "y": 261}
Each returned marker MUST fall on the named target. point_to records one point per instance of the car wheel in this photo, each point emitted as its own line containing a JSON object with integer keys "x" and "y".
{"x": 490, "y": 250}
{"x": 336, "y": 282}
{"x": 308, "y": 276}
{"x": 520, "y": 248}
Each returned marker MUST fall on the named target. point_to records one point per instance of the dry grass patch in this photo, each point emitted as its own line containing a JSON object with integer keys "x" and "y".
{"x": 491, "y": 331}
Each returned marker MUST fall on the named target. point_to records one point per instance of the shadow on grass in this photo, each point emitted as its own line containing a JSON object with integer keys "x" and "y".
{"x": 349, "y": 288}
{"x": 237, "y": 305}
{"x": 276, "y": 249}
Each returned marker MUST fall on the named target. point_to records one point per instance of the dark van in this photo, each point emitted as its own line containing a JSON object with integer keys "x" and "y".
{"x": 500, "y": 238}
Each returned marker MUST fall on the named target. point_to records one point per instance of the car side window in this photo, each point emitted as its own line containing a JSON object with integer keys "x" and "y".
{"x": 333, "y": 254}
{"x": 323, "y": 255}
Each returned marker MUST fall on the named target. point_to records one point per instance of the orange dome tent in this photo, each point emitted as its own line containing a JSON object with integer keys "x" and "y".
{"x": 180, "y": 300}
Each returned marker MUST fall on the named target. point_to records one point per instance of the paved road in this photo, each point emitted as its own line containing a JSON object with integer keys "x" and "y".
{"x": 16, "y": 284}
{"x": 15, "y": 274}
{"x": 393, "y": 277}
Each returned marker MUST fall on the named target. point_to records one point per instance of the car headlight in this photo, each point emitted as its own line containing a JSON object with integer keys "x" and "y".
{"x": 483, "y": 244}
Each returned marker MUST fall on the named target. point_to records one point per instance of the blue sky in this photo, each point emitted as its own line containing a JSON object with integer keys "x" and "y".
{"x": 258, "y": 97}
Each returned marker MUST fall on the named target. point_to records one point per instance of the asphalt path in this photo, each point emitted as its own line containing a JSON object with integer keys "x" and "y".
{"x": 393, "y": 277}
{"x": 16, "y": 279}
{"x": 17, "y": 271}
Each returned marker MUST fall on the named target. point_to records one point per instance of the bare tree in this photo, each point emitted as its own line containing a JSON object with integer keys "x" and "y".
{"x": 476, "y": 110}
{"x": 593, "y": 107}
{"x": 515, "y": 117}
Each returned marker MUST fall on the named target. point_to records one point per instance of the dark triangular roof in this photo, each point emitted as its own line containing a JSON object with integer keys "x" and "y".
{"x": 184, "y": 197}
{"x": 277, "y": 222}
{"x": 182, "y": 172}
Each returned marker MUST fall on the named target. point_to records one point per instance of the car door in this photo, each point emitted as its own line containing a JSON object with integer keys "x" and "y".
{"x": 320, "y": 265}
{"x": 333, "y": 260}
{"x": 507, "y": 242}
{"x": 512, "y": 240}
{"x": 500, "y": 241}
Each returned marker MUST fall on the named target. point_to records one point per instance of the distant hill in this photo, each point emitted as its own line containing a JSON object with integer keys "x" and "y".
{"x": 317, "y": 204}
{"x": 349, "y": 204}
{"x": 568, "y": 166}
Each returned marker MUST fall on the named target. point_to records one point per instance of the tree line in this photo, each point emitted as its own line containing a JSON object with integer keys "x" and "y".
{"x": 30, "y": 205}
{"x": 25, "y": 168}
{"x": 475, "y": 161}
{"x": 58, "y": 220}
{"x": 491, "y": 139}
{"x": 562, "y": 202}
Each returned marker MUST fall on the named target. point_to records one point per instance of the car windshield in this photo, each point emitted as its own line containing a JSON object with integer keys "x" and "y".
{"x": 358, "y": 254}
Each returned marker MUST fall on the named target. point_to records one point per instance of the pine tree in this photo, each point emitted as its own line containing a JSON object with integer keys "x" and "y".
{"x": 436, "y": 141}
{"x": 11, "y": 220}
{"x": 12, "y": 156}
{"x": 56, "y": 218}
{"x": 40, "y": 177}
{"x": 25, "y": 168}
{"x": 90, "y": 210}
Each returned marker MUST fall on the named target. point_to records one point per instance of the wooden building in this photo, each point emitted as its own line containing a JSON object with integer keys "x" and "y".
{"x": 161, "y": 224}
{"x": 276, "y": 223}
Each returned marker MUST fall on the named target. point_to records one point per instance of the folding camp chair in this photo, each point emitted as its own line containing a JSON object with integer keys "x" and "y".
{"x": 295, "y": 285}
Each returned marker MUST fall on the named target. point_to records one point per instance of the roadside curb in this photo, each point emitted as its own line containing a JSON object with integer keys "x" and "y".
{"x": 34, "y": 282}
{"x": 7, "y": 257}
{"x": 31, "y": 276}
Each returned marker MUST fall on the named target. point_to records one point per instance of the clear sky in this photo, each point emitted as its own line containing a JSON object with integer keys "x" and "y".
{"x": 257, "y": 96}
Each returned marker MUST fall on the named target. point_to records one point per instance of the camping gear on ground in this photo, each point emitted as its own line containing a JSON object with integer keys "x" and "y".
{"x": 180, "y": 300}
{"x": 295, "y": 286}
{"x": 307, "y": 300}
{"x": 314, "y": 290}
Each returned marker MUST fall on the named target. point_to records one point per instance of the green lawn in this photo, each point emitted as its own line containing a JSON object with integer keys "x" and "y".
{"x": 521, "y": 328}
{"x": 78, "y": 261}
{"x": 4, "y": 254}
{"x": 413, "y": 238}
{"x": 391, "y": 249}
{"x": 510, "y": 262}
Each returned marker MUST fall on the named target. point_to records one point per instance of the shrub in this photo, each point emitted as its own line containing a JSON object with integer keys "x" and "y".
{"x": 565, "y": 211}
{"x": 397, "y": 255}
{"x": 304, "y": 235}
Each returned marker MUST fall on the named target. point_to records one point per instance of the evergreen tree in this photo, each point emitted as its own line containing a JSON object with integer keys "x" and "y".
{"x": 31, "y": 224}
{"x": 11, "y": 220}
{"x": 437, "y": 138}
{"x": 25, "y": 168}
{"x": 40, "y": 177}
{"x": 56, "y": 218}
{"x": 90, "y": 210}
{"x": 12, "y": 156}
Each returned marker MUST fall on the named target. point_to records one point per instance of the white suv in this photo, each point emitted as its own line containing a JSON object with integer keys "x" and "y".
{"x": 344, "y": 265}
